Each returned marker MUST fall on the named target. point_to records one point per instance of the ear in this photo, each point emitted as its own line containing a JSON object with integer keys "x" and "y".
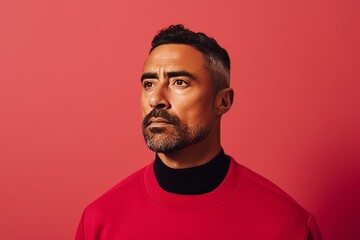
{"x": 224, "y": 100}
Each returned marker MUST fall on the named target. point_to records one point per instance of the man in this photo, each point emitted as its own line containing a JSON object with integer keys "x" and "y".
{"x": 192, "y": 190}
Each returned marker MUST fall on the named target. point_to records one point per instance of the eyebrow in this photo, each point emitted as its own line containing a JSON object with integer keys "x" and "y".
{"x": 150, "y": 75}
{"x": 180, "y": 74}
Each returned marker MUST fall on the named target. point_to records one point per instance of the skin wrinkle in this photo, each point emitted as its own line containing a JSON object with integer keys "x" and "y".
{"x": 154, "y": 75}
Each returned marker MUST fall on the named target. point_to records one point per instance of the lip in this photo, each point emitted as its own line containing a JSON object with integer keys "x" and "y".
{"x": 158, "y": 122}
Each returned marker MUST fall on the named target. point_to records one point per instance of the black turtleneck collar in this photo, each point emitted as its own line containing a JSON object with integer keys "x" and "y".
{"x": 195, "y": 180}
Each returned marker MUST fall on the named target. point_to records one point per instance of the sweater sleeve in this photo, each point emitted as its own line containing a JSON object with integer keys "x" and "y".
{"x": 313, "y": 232}
{"x": 80, "y": 230}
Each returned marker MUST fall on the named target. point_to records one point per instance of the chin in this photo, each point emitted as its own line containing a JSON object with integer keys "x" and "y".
{"x": 156, "y": 130}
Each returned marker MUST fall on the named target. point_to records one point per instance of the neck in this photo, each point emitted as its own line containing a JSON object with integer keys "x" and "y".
{"x": 196, "y": 180}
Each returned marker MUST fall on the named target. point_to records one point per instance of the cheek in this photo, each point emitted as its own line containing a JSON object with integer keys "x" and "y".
{"x": 196, "y": 110}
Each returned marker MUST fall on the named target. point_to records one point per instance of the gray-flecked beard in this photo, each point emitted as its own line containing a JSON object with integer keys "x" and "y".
{"x": 176, "y": 135}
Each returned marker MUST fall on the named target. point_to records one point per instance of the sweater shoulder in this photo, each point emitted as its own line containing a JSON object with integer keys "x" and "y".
{"x": 269, "y": 197}
{"x": 266, "y": 185}
{"x": 266, "y": 204}
{"x": 131, "y": 185}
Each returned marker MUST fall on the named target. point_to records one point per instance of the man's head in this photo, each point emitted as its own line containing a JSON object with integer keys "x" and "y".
{"x": 185, "y": 90}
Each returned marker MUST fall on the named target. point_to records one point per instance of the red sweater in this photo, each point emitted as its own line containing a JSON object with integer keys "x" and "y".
{"x": 244, "y": 206}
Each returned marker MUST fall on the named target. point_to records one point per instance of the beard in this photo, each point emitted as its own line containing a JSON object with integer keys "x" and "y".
{"x": 176, "y": 135}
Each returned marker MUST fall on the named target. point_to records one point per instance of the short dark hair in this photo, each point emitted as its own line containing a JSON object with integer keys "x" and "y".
{"x": 216, "y": 58}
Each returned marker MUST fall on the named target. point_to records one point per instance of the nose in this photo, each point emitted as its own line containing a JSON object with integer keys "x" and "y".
{"x": 158, "y": 99}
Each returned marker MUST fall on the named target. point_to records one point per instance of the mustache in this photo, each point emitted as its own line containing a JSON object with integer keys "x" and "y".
{"x": 160, "y": 113}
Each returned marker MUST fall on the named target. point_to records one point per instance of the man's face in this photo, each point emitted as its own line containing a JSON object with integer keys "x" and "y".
{"x": 177, "y": 98}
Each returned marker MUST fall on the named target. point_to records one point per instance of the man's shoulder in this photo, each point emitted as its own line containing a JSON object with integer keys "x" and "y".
{"x": 266, "y": 195}
{"x": 131, "y": 185}
{"x": 264, "y": 185}
{"x": 264, "y": 202}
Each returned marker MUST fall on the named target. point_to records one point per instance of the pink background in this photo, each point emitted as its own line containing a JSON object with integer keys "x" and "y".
{"x": 70, "y": 102}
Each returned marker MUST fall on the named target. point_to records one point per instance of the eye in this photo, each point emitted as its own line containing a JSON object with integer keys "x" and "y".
{"x": 147, "y": 84}
{"x": 179, "y": 82}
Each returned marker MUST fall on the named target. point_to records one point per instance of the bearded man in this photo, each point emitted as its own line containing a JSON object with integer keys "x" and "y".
{"x": 192, "y": 190}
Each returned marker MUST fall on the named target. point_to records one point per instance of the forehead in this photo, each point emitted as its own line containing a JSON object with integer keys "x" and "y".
{"x": 174, "y": 56}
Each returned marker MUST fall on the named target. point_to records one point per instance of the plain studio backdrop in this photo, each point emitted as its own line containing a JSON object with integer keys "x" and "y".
{"x": 70, "y": 122}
